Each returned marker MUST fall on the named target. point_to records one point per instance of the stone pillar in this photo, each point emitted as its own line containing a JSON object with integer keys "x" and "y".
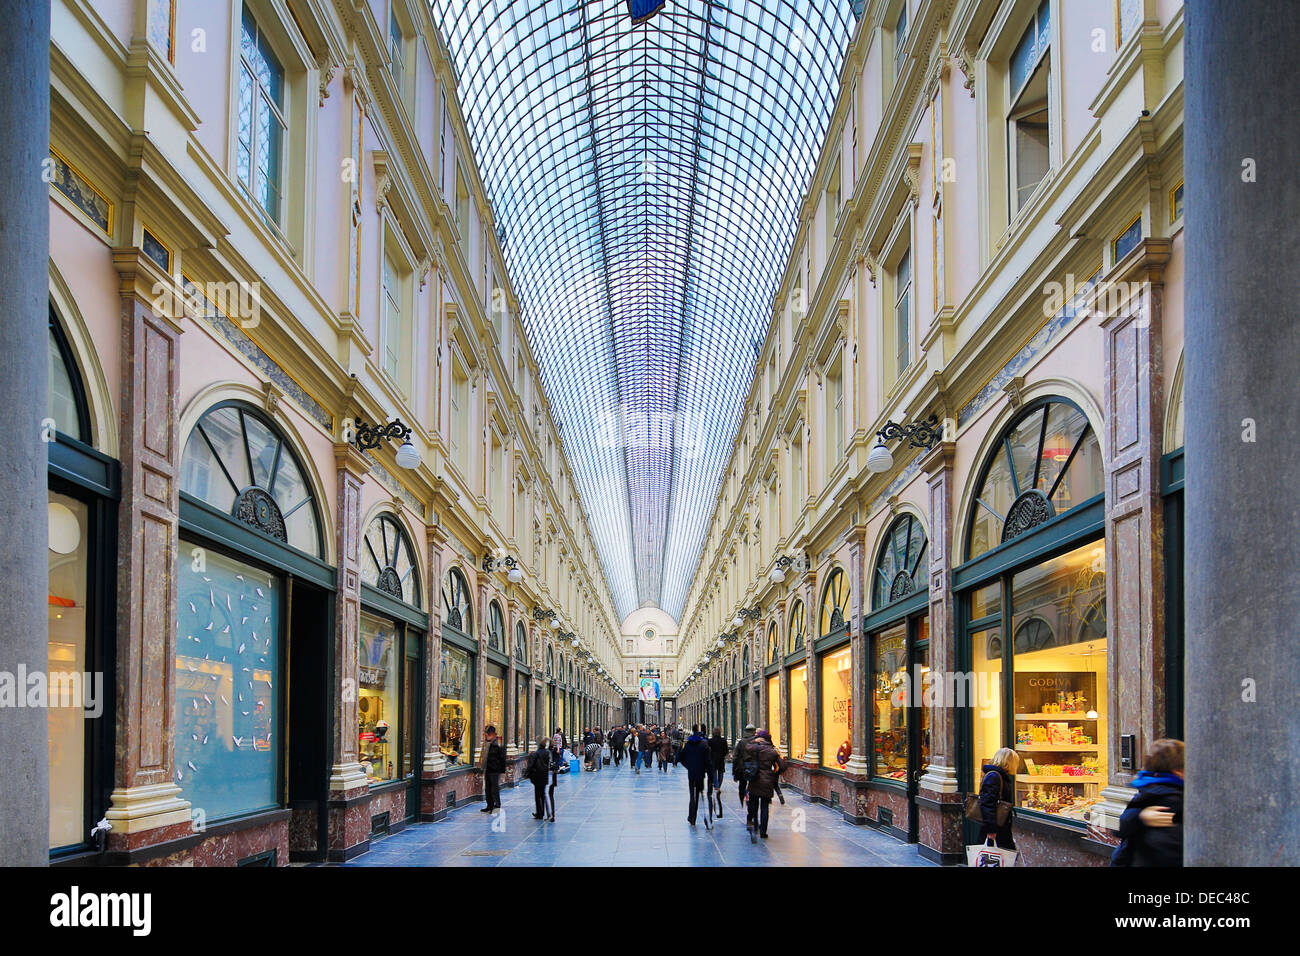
{"x": 479, "y": 717}
{"x": 435, "y": 764}
{"x": 349, "y": 822}
{"x": 146, "y": 796}
{"x": 25, "y": 389}
{"x": 858, "y": 769}
{"x": 783, "y": 674}
{"x": 938, "y": 798}
{"x": 514, "y": 729}
{"x": 1135, "y": 567}
{"x": 812, "y": 625}
{"x": 1243, "y": 526}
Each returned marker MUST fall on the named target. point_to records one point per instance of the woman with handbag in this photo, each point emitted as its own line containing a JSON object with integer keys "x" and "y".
{"x": 998, "y": 796}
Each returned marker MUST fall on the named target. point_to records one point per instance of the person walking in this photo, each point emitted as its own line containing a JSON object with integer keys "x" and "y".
{"x": 599, "y": 735}
{"x": 557, "y": 757}
{"x": 665, "y": 751}
{"x": 616, "y": 741}
{"x": 998, "y": 785}
{"x": 634, "y": 748}
{"x": 646, "y": 744}
{"x": 695, "y": 758}
{"x": 1151, "y": 827}
{"x": 718, "y": 751}
{"x": 762, "y": 766}
{"x": 493, "y": 762}
{"x": 679, "y": 741}
{"x": 538, "y": 771}
{"x": 737, "y": 762}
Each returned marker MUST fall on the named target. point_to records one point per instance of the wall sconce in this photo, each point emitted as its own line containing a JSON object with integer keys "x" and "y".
{"x": 925, "y": 434}
{"x": 543, "y": 614}
{"x": 799, "y": 562}
{"x": 514, "y": 575}
{"x": 372, "y": 436}
{"x": 746, "y": 614}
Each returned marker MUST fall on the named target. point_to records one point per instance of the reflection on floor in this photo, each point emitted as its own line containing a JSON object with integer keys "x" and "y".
{"x": 618, "y": 818}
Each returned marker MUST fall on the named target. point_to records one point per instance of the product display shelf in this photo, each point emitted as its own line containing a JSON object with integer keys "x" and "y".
{"x": 1058, "y": 748}
{"x": 1068, "y": 716}
{"x": 1030, "y": 778}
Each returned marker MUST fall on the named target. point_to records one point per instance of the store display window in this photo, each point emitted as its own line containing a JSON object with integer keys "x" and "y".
{"x": 837, "y": 708}
{"x": 68, "y": 667}
{"x": 412, "y": 696}
{"x": 521, "y": 710}
{"x": 494, "y": 705}
{"x": 774, "y": 709}
{"x": 455, "y": 707}
{"x": 378, "y": 670}
{"x": 889, "y": 702}
{"x": 799, "y": 711}
{"x": 227, "y": 676}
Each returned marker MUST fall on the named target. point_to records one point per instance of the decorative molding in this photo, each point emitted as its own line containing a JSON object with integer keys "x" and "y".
{"x": 327, "y": 70}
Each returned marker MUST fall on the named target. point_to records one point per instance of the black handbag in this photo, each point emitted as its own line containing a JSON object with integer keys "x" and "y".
{"x": 976, "y": 815}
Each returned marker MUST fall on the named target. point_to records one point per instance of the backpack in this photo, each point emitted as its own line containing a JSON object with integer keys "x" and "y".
{"x": 751, "y": 764}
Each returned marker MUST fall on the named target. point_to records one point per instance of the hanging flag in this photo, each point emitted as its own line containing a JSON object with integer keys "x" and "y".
{"x": 642, "y": 10}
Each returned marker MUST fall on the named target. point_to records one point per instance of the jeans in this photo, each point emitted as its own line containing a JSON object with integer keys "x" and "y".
{"x": 697, "y": 788}
{"x": 758, "y": 811}
{"x": 539, "y": 797}
{"x": 492, "y": 789}
{"x": 663, "y": 764}
{"x": 715, "y": 779}
{"x": 635, "y": 758}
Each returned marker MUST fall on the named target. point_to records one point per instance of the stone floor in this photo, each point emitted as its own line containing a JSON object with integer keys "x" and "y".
{"x": 619, "y": 818}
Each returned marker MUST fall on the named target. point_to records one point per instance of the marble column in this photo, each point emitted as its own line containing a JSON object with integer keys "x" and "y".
{"x": 478, "y": 719}
{"x": 25, "y": 389}
{"x": 1135, "y": 567}
{"x": 812, "y": 627}
{"x": 435, "y": 764}
{"x": 146, "y": 796}
{"x": 1242, "y": 527}
{"x": 858, "y": 769}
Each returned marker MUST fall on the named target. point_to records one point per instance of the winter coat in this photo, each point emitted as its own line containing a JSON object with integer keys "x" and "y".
{"x": 665, "y": 748}
{"x": 770, "y": 766}
{"x": 644, "y": 740}
{"x": 539, "y": 765}
{"x": 600, "y": 737}
{"x": 737, "y": 758}
{"x": 1153, "y": 846}
{"x": 996, "y": 784}
{"x": 718, "y": 750}
{"x": 494, "y": 757}
{"x": 695, "y": 757}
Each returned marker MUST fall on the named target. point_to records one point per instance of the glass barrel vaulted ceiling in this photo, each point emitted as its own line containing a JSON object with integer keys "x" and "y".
{"x": 646, "y": 181}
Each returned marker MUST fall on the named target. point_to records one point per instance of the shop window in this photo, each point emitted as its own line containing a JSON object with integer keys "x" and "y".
{"x": 889, "y": 702}
{"x": 774, "y": 709}
{"x": 837, "y": 708}
{"x": 796, "y": 635}
{"x": 1046, "y": 462}
{"x": 458, "y": 608}
{"x": 236, "y": 461}
{"x": 261, "y": 123}
{"x": 227, "y": 676}
{"x": 388, "y": 560}
{"x": 901, "y": 566}
{"x": 496, "y": 629}
{"x": 67, "y": 402}
{"x": 798, "y": 711}
{"x": 494, "y": 705}
{"x": 69, "y": 666}
{"x": 835, "y": 603}
{"x": 454, "y": 705}
{"x": 378, "y": 670}
{"x": 521, "y": 709}
{"x": 1029, "y": 118}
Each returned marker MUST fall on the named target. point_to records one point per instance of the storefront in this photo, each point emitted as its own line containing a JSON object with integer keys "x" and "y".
{"x": 523, "y": 678}
{"x": 456, "y": 675}
{"x": 797, "y": 682}
{"x": 390, "y": 669}
{"x": 83, "y": 499}
{"x": 1033, "y": 618}
{"x": 835, "y": 674}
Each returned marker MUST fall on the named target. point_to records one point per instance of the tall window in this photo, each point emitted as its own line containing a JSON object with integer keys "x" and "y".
{"x": 394, "y": 329}
{"x": 795, "y": 638}
{"x": 458, "y": 608}
{"x": 832, "y": 207}
{"x": 388, "y": 560}
{"x": 796, "y": 469}
{"x": 901, "y": 566}
{"x": 1029, "y": 117}
{"x": 396, "y": 48}
{"x": 835, "y": 602}
{"x": 900, "y": 37}
{"x": 834, "y": 414}
{"x": 903, "y": 313}
{"x": 458, "y": 431}
{"x": 259, "y": 159}
{"x": 462, "y": 211}
{"x": 496, "y": 628}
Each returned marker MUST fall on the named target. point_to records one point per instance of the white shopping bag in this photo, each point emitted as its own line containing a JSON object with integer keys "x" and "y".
{"x": 987, "y": 854}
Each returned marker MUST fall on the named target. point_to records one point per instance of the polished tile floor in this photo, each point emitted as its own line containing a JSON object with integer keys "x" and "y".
{"x": 618, "y": 818}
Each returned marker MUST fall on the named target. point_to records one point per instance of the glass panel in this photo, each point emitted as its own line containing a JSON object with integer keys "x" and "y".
{"x": 1065, "y": 424}
{"x": 1023, "y": 442}
{"x": 412, "y": 693}
{"x": 227, "y": 666}
{"x": 798, "y": 711}
{"x": 377, "y": 673}
{"x": 774, "y": 709}
{"x": 889, "y": 699}
{"x": 991, "y": 505}
{"x": 984, "y": 696}
{"x": 1060, "y": 691}
{"x": 521, "y": 710}
{"x": 63, "y": 398}
{"x": 225, "y": 437}
{"x": 262, "y": 445}
{"x": 244, "y": 155}
{"x": 72, "y": 690}
{"x": 454, "y": 707}
{"x": 494, "y": 709}
{"x": 922, "y": 677}
{"x": 837, "y": 708}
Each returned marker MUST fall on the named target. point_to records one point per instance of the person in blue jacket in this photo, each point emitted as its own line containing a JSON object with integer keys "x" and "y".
{"x": 695, "y": 758}
{"x": 1151, "y": 827}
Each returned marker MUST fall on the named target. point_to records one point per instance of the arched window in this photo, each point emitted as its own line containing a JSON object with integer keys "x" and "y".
{"x": 773, "y": 643}
{"x": 795, "y": 637}
{"x": 67, "y": 399}
{"x": 388, "y": 560}
{"x": 744, "y": 661}
{"x": 835, "y": 602}
{"x": 521, "y": 642}
{"x": 901, "y": 563}
{"x": 237, "y": 461}
{"x": 1034, "y": 634}
{"x": 550, "y": 663}
{"x": 1046, "y": 462}
{"x": 496, "y": 628}
{"x": 457, "y": 604}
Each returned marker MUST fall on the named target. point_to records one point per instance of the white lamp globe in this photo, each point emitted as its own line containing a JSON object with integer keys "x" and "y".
{"x": 880, "y": 460}
{"x": 407, "y": 456}
{"x": 778, "y": 575}
{"x": 737, "y": 621}
{"x": 514, "y": 576}
{"x": 555, "y": 622}
{"x": 65, "y": 529}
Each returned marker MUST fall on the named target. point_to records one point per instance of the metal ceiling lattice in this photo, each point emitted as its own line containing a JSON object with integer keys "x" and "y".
{"x": 646, "y": 181}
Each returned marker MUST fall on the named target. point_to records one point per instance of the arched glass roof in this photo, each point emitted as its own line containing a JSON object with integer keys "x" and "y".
{"x": 646, "y": 181}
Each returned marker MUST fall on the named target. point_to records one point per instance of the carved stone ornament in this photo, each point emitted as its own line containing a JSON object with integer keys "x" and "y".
{"x": 391, "y": 583}
{"x": 327, "y": 72}
{"x": 1028, "y": 511}
{"x": 257, "y": 509}
{"x": 902, "y": 585}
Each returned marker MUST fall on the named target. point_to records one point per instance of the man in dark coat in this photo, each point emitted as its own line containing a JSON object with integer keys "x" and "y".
{"x": 538, "y": 771}
{"x": 737, "y": 771}
{"x": 762, "y": 765}
{"x": 695, "y": 758}
{"x": 1151, "y": 827}
{"x": 493, "y": 763}
{"x": 718, "y": 751}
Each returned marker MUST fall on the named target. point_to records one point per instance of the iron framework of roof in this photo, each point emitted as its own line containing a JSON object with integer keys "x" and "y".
{"x": 646, "y": 180}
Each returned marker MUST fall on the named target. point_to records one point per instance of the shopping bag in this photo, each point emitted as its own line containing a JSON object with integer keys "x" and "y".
{"x": 987, "y": 854}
